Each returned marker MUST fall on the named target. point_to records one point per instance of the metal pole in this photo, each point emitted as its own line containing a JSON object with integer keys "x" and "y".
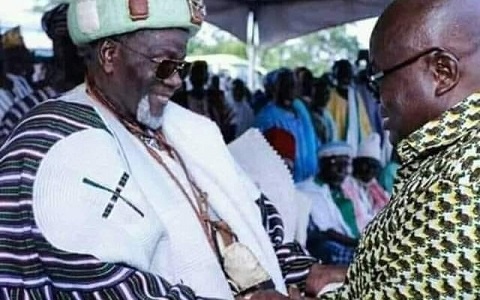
{"x": 252, "y": 47}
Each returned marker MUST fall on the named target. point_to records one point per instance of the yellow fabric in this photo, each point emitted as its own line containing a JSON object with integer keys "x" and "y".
{"x": 337, "y": 105}
{"x": 426, "y": 243}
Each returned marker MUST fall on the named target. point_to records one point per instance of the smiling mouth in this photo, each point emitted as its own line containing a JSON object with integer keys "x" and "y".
{"x": 157, "y": 104}
{"x": 162, "y": 99}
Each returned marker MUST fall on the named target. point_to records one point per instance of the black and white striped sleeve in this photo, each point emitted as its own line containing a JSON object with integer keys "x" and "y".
{"x": 295, "y": 262}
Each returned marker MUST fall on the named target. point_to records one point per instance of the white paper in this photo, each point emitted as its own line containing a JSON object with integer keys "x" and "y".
{"x": 267, "y": 169}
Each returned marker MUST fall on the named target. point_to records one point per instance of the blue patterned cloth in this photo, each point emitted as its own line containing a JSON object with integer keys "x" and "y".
{"x": 329, "y": 251}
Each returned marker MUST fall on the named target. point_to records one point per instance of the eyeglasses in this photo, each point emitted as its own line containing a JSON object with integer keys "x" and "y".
{"x": 375, "y": 78}
{"x": 166, "y": 68}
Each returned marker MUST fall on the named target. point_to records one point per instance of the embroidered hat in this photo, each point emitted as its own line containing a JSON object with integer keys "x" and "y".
{"x": 90, "y": 20}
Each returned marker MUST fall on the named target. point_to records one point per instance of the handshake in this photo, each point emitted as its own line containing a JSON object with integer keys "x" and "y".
{"x": 319, "y": 277}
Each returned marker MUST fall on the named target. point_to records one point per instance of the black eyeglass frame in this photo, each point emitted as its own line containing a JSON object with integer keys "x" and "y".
{"x": 375, "y": 78}
{"x": 182, "y": 67}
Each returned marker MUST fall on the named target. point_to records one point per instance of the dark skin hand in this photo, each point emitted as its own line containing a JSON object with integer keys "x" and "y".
{"x": 265, "y": 295}
{"x": 321, "y": 275}
{"x": 294, "y": 294}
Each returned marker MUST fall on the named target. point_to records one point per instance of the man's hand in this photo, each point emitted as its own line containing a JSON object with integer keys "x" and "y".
{"x": 268, "y": 295}
{"x": 321, "y": 275}
{"x": 294, "y": 293}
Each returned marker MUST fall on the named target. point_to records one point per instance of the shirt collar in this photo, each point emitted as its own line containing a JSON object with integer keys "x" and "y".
{"x": 450, "y": 127}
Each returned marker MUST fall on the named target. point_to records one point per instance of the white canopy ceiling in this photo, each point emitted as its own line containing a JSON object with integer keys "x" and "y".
{"x": 279, "y": 20}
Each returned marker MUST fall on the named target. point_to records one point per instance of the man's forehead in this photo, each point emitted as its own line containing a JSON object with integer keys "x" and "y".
{"x": 162, "y": 42}
{"x": 386, "y": 48}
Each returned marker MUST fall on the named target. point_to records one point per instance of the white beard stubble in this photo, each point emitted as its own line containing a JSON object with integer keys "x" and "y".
{"x": 145, "y": 117}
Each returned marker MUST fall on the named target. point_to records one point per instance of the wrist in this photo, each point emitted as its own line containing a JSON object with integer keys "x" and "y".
{"x": 338, "y": 274}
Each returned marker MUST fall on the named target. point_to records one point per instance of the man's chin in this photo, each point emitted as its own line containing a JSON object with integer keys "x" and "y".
{"x": 153, "y": 121}
{"x": 150, "y": 121}
{"x": 157, "y": 104}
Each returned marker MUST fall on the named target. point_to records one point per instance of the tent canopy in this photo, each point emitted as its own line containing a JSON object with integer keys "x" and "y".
{"x": 280, "y": 20}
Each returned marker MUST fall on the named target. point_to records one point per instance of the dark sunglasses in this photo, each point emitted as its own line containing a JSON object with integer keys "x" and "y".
{"x": 166, "y": 68}
{"x": 374, "y": 78}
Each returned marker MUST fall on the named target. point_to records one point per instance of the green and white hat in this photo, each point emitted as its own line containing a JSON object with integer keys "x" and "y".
{"x": 90, "y": 20}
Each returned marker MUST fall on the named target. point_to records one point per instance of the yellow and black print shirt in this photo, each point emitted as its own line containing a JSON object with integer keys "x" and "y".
{"x": 426, "y": 243}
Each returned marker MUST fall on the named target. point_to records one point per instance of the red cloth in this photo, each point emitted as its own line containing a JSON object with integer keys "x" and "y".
{"x": 283, "y": 142}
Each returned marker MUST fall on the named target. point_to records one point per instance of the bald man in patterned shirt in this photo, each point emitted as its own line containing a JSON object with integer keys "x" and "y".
{"x": 426, "y": 243}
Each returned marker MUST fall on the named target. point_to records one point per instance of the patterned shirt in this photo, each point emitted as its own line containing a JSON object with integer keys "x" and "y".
{"x": 33, "y": 268}
{"x": 426, "y": 243}
{"x": 19, "y": 90}
{"x": 7, "y": 98}
{"x": 20, "y": 108}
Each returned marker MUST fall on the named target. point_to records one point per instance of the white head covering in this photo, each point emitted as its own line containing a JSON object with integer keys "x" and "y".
{"x": 370, "y": 147}
{"x": 336, "y": 149}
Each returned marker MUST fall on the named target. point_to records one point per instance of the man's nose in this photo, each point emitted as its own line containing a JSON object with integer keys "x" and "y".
{"x": 174, "y": 81}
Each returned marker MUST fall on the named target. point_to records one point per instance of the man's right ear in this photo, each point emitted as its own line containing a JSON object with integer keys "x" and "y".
{"x": 107, "y": 53}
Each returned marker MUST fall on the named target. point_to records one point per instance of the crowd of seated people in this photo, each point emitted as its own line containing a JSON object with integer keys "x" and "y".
{"x": 329, "y": 132}
{"x": 303, "y": 117}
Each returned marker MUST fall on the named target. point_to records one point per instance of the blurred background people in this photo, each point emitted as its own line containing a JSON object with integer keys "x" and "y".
{"x": 261, "y": 99}
{"x": 211, "y": 105}
{"x": 370, "y": 100}
{"x": 68, "y": 71}
{"x": 18, "y": 62}
{"x": 346, "y": 107}
{"x": 286, "y": 113}
{"x": 244, "y": 115}
{"x": 304, "y": 85}
{"x": 366, "y": 169}
{"x": 325, "y": 126}
{"x": 339, "y": 210}
{"x": 197, "y": 100}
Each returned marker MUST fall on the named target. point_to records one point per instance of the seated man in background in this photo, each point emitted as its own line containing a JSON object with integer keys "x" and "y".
{"x": 367, "y": 168}
{"x": 339, "y": 206}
